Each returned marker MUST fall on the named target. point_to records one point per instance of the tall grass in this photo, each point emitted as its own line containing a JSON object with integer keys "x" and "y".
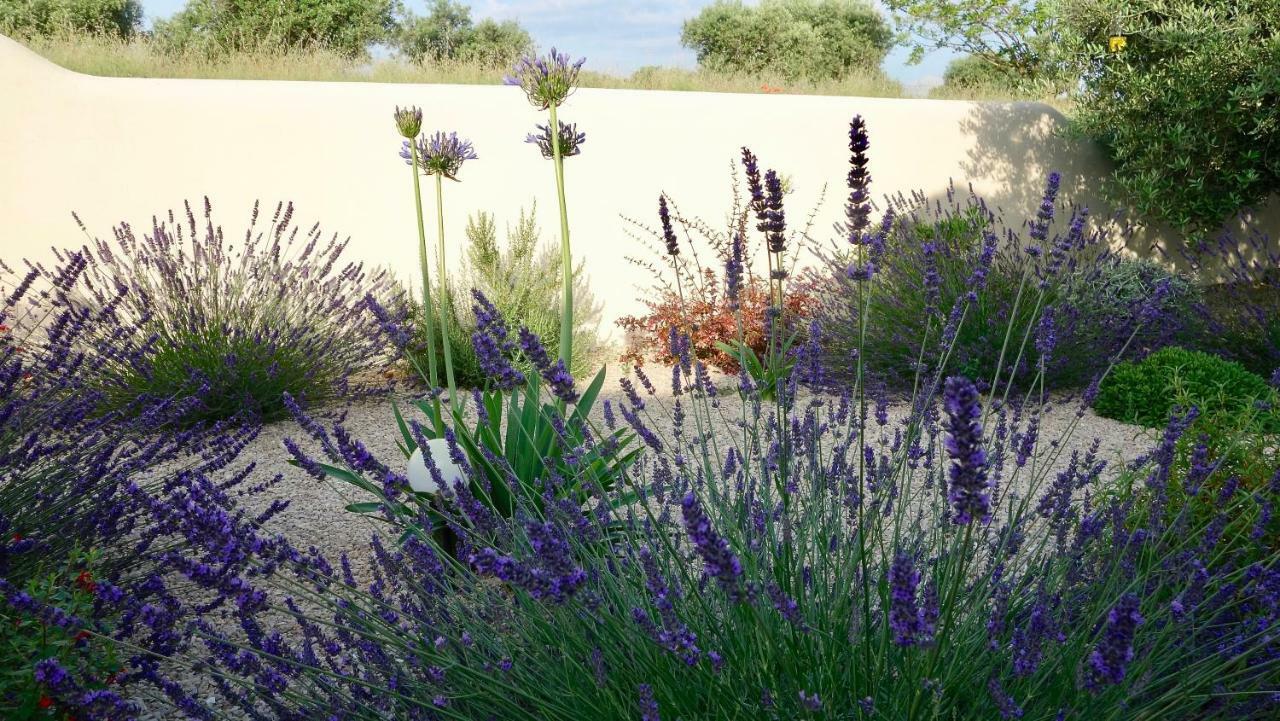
{"x": 143, "y": 58}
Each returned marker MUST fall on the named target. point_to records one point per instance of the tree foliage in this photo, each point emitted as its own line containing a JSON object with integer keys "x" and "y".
{"x": 1011, "y": 35}
{"x": 448, "y": 33}
{"x": 44, "y": 18}
{"x": 809, "y": 39}
{"x": 1189, "y": 109}
{"x": 346, "y": 27}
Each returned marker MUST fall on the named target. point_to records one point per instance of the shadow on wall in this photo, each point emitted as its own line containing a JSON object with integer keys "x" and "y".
{"x": 1016, "y": 146}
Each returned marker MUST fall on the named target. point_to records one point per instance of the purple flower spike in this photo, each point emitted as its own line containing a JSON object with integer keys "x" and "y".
{"x": 720, "y": 562}
{"x": 555, "y": 374}
{"x": 733, "y": 274}
{"x": 547, "y": 81}
{"x": 970, "y": 491}
{"x": 571, "y": 140}
{"x": 1109, "y": 659}
{"x": 907, "y": 620}
{"x": 752, "y": 167}
{"x": 858, "y": 207}
{"x": 773, "y": 222}
{"x": 648, "y": 704}
{"x": 1044, "y": 215}
{"x": 440, "y": 154}
{"x": 668, "y": 235}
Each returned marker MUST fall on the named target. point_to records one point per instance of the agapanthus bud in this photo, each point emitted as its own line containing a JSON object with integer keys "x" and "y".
{"x": 409, "y": 121}
{"x": 668, "y": 234}
{"x": 571, "y": 140}
{"x": 546, "y": 81}
{"x": 440, "y": 154}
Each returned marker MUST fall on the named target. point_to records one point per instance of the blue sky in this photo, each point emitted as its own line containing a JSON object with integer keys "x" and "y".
{"x": 618, "y": 35}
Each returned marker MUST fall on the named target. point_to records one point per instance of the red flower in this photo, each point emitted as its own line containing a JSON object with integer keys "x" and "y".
{"x": 16, "y": 537}
{"x": 85, "y": 581}
{"x": 45, "y": 702}
{"x": 82, "y": 635}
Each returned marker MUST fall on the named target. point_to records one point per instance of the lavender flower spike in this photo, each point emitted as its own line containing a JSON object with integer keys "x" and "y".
{"x": 440, "y": 154}
{"x": 571, "y": 140}
{"x": 858, "y": 207}
{"x": 970, "y": 490}
{"x": 547, "y": 81}
{"x": 1114, "y": 652}
{"x": 668, "y": 235}
{"x": 719, "y": 561}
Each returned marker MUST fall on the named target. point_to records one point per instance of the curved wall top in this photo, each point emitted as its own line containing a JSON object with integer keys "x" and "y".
{"x": 117, "y": 149}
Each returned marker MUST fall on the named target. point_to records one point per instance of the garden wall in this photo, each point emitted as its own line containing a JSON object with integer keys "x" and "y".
{"x": 116, "y": 149}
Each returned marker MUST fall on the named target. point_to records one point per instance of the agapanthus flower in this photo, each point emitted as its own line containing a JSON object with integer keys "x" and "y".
{"x": 547, "y": 80}
{"x": 571, "y": 140}
{"x": 668, "y": 233}
{"x": 409, "y": 121}
{"x": 440, "y": 154}
{"x": 970, "y": 490}
{"x": 1113, "y": 653}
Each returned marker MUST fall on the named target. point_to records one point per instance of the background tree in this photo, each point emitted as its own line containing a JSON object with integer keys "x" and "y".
{"x": 447, "y": 33}
{"x": 1015, "y": 36}
{"x": 1189, "y": 109}
{"x": 44, "y": 18}
{"x": 346, "y": 27}
{"x": 811, "y": 39}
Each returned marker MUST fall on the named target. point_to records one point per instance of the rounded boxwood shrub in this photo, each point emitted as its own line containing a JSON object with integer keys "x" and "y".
{"x": 1148, "y": 391}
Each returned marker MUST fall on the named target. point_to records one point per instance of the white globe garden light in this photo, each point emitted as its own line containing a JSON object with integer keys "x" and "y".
{"x": 420, "y": 478}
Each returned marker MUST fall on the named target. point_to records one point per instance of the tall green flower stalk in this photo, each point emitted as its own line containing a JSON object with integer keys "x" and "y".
{"x": 409, "y": 123}
{"x": 442, "y": 156}
{"x": 547, "y": 82}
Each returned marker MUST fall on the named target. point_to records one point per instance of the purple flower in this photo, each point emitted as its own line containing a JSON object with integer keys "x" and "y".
{"x": 1044, "y": 214}
{"x": 811, "y": 701}
{"x": 668, "y": 234}
{"x": 906, "y": 618}
{"x": 1113, "y": 653}
{"x": 718, "y": 560}
{"x": 648, "y": 704}
{"x": 733, "y": 273}
{"x": 440, "y": 154}
{"x": 969, "y": 491}
{"x": 555, "y": 374}
{"x": 773, "y": 222}
{"x": 752, "y": 167}
{"x": 858, "y": 206}
{"x": 493, "y": 345}
{"x": 409, "y": 121}
{"x": 1004, "y": 702}
{"x": 571, "y": 140}
{"x": 546, "y": 81}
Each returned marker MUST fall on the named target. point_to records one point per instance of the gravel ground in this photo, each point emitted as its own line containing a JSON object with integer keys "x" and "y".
{"x": 316, "y": 516}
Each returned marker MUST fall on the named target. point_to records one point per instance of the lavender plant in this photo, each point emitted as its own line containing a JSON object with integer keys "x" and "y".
{"x": 830, "y": 556}
{"x": 236, "y": 323}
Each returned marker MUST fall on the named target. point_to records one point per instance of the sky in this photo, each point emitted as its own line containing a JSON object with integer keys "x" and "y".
{"x": 619, "y": 36}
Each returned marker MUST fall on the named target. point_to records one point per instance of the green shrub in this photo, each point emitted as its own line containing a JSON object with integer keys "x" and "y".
{"x": 1148, "y": 391}
{"x": 77, "y": 645}
{"x": 1104, "y": 297}
{"x": 972, "y": 72}
{"x": 522, "y": 281}
{"x": 797, "y": 39}
{"x": 447, "y": 33}
{"x": 346, "y": 27}
{"x": 1189, "y": 110}
{"x": 55, "y": 18}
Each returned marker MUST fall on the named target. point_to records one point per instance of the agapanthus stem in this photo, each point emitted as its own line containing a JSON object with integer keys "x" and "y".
{"x": 566, "y": 257}
{"x": 428, "y": 307}
{"x": 446, "y": 311}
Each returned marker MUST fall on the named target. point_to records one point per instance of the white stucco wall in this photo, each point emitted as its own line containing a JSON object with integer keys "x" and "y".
{"x": 117, "y": 149}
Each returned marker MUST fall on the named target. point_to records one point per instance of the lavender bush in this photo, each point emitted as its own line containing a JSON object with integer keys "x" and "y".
{"x": 76, "y": 455}
{"x": 237, "y": 322}
{"x": 1040, "y": 280}
{"x": 828, "y": 556}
